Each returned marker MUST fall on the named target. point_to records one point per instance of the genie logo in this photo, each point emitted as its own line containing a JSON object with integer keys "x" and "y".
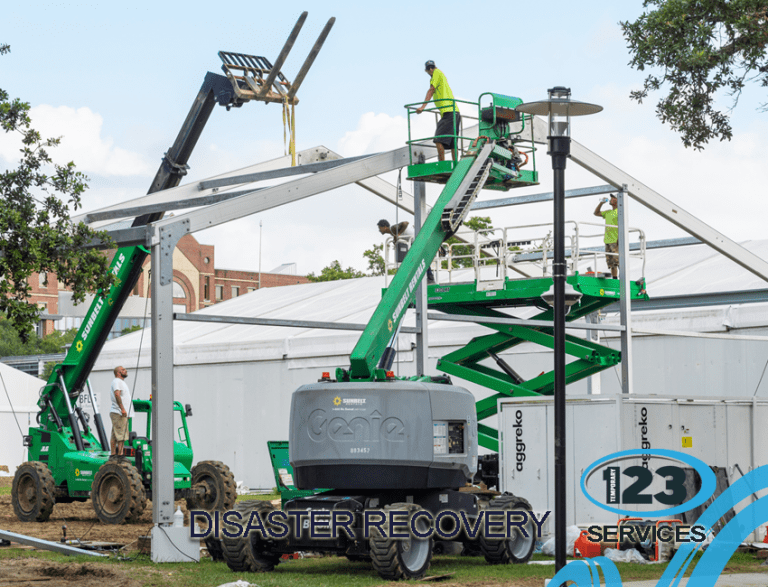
{"x": 373, "y": 428}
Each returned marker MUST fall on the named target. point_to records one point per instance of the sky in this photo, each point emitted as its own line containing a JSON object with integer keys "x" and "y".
{"x": 116, "y": 80}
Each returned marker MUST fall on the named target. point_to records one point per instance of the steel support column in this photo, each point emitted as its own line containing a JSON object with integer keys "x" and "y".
{"x": 625, "y": 300}
{"x": 162, "y": 395}
{"x": 422, "y": 339}
{"x": 593, "y": 381}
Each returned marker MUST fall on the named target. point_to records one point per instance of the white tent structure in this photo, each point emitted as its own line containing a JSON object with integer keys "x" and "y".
{"x": 239, "y": 378}
{"x": 18, "y": 408}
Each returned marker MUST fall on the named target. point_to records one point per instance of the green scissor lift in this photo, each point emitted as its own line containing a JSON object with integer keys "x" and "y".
{"x": 465, "y": 299}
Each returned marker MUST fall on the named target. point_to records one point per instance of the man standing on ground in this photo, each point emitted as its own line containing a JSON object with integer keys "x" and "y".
{"x": 450, "y": 119}
{"x": 121, "y": 398}
{"x": 611, "y": 239}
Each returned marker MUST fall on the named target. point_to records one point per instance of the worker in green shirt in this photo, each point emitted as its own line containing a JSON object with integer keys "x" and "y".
{"x": 448, "y": 125}
{"x": 611, "y": 239}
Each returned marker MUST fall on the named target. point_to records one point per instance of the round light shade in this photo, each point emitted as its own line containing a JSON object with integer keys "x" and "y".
{"x": 559, "y": 108}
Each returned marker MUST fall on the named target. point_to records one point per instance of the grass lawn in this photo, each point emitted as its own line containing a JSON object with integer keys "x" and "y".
{"x": 323, "y": 571}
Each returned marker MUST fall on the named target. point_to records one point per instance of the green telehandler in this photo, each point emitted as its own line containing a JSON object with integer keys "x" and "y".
{"x": 68, "y": 456}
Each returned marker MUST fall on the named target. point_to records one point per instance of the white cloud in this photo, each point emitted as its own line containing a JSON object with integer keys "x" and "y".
{"x": 381, "y": 132}
{"x": 81, "y": 141}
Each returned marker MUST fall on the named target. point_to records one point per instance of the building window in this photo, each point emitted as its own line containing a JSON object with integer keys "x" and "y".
{"x": 235, "y": 291}
{"x": 43, "y": 280}
{"x": 207, "y": 260}
{"x": 219, "y": 293}
{"x": 207, "y": 289}
{"x": 178, "y": 291}
{"x": 250, "y": 289}
{"x": 43, "y": 307}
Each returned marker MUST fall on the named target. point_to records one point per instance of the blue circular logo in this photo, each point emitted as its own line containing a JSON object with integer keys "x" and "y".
{"x": 644, "y": 477}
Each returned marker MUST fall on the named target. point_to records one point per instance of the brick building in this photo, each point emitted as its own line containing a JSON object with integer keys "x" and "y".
{"x": 197, "y": 283}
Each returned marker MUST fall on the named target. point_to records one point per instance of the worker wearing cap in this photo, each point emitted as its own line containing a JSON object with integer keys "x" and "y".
{"x": 448, "y": 125}
{"x": 611, "y": 238}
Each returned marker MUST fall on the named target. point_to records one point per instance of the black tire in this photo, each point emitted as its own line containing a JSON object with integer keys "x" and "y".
{"x": 404, "y": 558}
{"x": 517, "y": 549}
{"x": 33, "y": 492}
{"x": 214, "y": 548}
{"x": 117, "y": 493}
{"x": 249, "y": 554}
{"x": 219, "y": 483}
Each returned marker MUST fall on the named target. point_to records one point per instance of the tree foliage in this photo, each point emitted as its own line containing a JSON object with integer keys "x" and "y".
{"x": 36, "y": 233}
{"x": 12, "y": 345}
{"x": 334, "y": 272}
{"x": 702, "y": 48}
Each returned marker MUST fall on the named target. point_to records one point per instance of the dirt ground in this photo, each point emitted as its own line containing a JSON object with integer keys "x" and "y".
{"x": 31, "y": 571}
{"x": 81, "y": 522}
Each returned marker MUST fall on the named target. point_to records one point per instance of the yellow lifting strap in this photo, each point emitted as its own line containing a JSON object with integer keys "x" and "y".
{"x": 289, "y": 123}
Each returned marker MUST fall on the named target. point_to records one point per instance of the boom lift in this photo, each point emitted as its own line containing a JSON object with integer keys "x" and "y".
{"x": 68, "y": 458}
{"x": 388, "y": 444}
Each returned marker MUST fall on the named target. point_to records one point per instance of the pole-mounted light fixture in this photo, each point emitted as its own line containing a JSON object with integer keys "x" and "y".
{"x": 559, "y": 108}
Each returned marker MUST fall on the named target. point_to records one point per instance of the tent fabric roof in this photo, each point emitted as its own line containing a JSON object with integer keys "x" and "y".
{"x": 22, "y": 389}
{"x": 669, "y": 272}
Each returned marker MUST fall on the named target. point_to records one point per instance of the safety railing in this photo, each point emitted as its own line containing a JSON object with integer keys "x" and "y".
{"x": 459, "y": 139}
{"x": 519, "y": 252}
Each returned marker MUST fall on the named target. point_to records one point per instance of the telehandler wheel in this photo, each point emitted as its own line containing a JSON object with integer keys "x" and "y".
{"x": 249, "y": 553}
{"x": 218, "y": 484}
{"x": 117, "y": 493}
{"x": 517, "y": 549}
{"x": 32, "y": 493}
{"x": 401, "y": 558}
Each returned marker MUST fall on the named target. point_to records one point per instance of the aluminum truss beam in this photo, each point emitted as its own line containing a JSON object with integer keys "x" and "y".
{"x": 192, "y": 190}
{"x": 194, "y": 317}
{"x": 545, "y": 197}
{"x": 659, "y": 204}
{"x": 291, "y": 191}
{"x": 726, "y": 298}
{"x": 282, "y": 172}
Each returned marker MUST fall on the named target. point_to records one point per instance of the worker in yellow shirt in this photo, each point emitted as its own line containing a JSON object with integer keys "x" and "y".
{"x": 448, "y": 125}
{"x": 611, "y": 233}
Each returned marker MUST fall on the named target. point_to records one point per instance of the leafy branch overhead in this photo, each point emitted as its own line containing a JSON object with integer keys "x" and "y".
{"x": 36, "y": 232}
{"x": 703, "y": 49}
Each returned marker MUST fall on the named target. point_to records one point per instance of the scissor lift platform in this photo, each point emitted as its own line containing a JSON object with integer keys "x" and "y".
{"x": 467, "y": 299}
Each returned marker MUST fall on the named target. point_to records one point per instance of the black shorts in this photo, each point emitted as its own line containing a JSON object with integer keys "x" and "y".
{"x": 446, "y": 126}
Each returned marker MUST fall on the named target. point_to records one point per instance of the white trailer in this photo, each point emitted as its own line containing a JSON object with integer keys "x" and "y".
{"x": 727, "y": 433}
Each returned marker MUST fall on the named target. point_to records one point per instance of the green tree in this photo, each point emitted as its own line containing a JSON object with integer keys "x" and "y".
{"x": 130, "y": 329}
{"x": 334, "y": 272}
{"x": 376, "y": 264}
{"x": 36, "y": 232}
{"x": 11, "y": 344}
{"x": 702, "y": 48}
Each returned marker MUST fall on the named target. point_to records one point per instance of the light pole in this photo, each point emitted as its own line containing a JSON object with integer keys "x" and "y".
{"x": 260, "y": 223}
{"x": 559, "y": 108}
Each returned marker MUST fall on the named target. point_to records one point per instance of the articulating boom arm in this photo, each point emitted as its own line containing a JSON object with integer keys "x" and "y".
{"x": 443, "y": 221}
